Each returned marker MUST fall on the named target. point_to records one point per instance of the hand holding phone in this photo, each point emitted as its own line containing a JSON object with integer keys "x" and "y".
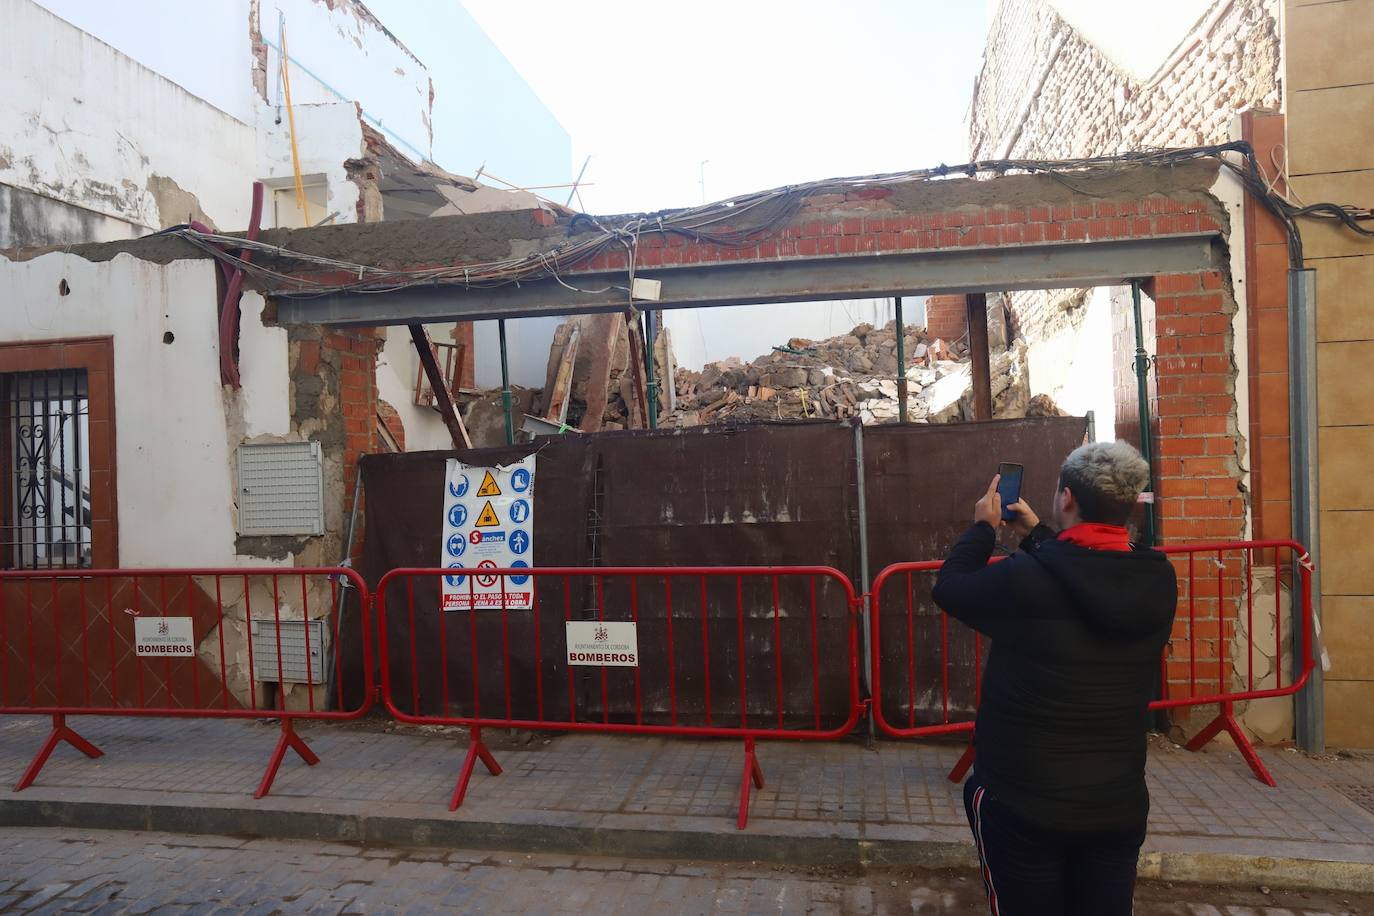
{"x": 1009, "y": 487}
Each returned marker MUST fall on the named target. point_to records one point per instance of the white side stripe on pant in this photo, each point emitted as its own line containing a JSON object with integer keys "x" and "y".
{"x": 982, "y": 852}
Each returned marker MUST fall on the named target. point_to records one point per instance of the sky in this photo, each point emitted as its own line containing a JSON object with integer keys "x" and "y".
{"x": 764, "y": 92}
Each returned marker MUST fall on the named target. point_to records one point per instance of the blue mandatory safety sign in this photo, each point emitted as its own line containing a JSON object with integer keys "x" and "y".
{"x": 519, "y": 564}
{"x": 520, "y": 480}
{"x": 455, "y": 581}
{"x": 519, "y": 541}
{"x": 459, "y": 487}
{"x": 458, "y": 516}
{"x": 457, "y": 545}
{"x": 520, "y": 511}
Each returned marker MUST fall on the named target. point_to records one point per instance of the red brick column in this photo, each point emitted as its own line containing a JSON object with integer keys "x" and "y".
{"x": 946, "y": 318}
{"x": 357, "y": 349}
{"x": 1198, "y": 469}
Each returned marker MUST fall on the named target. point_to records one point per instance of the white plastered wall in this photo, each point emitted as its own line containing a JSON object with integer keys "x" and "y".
{"x": 175, "y": 481}
{"x": 83, "y": 124}
{"x": 397, "y": 367}
{"x": 326, "y": 135}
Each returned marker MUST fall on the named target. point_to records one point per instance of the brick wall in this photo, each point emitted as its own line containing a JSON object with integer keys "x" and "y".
{"x": 946, "y": 317}
{"x": 1046, "y": 92}
{"x": 1266, "y": 270}
{"x": 357, "y": 360}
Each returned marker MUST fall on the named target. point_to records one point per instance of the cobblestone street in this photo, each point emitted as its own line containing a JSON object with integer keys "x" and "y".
{"x": 54, "y": 870}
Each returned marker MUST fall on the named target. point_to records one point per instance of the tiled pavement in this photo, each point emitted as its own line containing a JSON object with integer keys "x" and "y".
{"x": 897, "y": 791}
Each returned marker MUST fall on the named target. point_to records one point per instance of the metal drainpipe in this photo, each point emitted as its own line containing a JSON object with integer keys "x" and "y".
{"x": 650, "y": 382}
{"x": 331, "y": 675}
{"x": 506, "y": 401}
{"x": 865, "y": 635}
{"x": 1142, "y": 379}
{"x": 1309, "y": 711}
{"x": 901, "y": 362}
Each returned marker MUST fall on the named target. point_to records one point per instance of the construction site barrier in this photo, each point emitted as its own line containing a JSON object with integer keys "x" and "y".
{"x": 190, "y": 643}
{"x": 1227, "y": 645}
{"x": 729, "y": 652}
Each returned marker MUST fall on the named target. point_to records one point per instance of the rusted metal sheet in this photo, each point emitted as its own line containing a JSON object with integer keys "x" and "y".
{"x": 921, "y": 489}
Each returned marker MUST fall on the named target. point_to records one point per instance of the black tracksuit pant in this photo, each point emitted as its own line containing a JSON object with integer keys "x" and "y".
{"x": 1029, "y": 871}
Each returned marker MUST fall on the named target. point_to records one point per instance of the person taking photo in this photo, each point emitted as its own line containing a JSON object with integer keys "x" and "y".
{"x": 1077, "y": 619}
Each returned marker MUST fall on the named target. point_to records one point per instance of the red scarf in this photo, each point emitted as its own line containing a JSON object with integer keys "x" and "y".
{"x": 1097, "y": 537}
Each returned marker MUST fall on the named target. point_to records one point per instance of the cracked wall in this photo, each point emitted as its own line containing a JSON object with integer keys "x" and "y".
{"x": 92, "y": 133}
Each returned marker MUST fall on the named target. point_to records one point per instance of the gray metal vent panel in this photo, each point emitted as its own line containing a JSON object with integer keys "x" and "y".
{"x": 293, "y": 657}
{"x": 280, "y": 489}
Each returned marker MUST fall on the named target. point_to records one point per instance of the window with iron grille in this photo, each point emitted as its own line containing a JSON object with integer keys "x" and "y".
{"x": 47, "y": 499}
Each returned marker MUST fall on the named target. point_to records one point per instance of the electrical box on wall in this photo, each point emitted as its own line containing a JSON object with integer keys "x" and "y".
{"x": 281, "y": 489}
{"x": 302, "y": 656}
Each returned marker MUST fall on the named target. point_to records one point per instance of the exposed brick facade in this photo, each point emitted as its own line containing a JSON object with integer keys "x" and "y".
{"x": 1047, "y": 92}
{"x": 357, "y": 350}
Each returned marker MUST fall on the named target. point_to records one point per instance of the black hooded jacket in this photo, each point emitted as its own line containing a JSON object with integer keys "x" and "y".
{"x": 1076, "y": 641}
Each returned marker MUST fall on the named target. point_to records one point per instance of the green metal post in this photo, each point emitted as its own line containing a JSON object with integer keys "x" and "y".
{"x": 650, "y": 381}
{"x": 506, "y": 401}
{"x": 901, "y": 362}
{"x": 1142, "y": 378}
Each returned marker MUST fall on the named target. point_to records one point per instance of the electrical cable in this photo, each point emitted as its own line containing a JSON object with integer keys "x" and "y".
{"x": 754, "y": 216}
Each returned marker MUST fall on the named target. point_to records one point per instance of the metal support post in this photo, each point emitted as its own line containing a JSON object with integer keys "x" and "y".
{"x": 1309, "y": 706}
{"x": 901, "y": 362}
{"x": 506, "y": 401}
{"x": 976, "y": 309}
{"x": 1142, "y": 383}
{"x": 651, "y": 380}
{"x": 866, "y": 635}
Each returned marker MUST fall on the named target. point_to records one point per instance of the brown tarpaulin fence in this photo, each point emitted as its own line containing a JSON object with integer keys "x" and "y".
{"x": 764, "y": 494}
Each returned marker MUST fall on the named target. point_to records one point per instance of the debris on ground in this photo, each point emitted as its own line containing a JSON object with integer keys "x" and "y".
{"x": 853, "y": 375}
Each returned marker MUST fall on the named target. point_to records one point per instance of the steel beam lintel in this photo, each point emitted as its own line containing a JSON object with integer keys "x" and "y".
{"x": 1056, "y": 266}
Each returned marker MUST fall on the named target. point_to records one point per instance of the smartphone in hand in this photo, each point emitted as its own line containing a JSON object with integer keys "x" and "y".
{"x": 1009, "y": 487}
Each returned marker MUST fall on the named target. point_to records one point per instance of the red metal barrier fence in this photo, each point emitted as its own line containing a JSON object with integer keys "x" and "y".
{"x": 1227, "y": 647}
{"x": 193, "y": 643}
{"x": 729, "y": 652}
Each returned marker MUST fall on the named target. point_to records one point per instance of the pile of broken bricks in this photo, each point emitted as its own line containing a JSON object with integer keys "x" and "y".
{"x": 852, "y": 375}
{"x": 594, "y": 382}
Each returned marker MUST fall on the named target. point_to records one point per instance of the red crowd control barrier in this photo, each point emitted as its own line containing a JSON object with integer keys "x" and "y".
{"x": 1229, "y": 643}
{"x": 730, "y": 652}
{"x": 193, "y": 643}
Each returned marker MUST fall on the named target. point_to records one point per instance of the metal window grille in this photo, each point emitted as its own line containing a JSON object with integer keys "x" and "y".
{"x": 47, "y": 520}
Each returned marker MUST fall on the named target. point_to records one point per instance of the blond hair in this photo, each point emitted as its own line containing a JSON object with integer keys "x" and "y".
{"x": 1105, "y": 479}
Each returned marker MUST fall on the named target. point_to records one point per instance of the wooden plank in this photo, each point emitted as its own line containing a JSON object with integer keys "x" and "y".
{"x": 442, "y": 397}
{"x": 557, "y": 399}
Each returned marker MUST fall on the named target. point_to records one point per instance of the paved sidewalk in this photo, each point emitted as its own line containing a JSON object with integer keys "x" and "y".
{"x": 389, "y": 785}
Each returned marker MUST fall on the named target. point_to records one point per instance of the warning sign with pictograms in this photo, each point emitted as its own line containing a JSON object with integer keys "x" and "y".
{"x": 488, "y": 517}
{"x": 488, "y": 525}
{"x": 489, "y": 487}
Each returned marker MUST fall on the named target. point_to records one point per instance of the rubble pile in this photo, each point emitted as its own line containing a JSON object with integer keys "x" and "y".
{"x": 853, "y": 375}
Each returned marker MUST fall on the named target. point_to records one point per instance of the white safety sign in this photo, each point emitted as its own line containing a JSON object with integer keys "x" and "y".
{"x": 172, "y": 636}
{"x": 488, "y": 524}
{"x": 594, "y": 642}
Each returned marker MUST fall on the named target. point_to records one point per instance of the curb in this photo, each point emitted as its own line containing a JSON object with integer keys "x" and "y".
{"x": 415, "y": 832}
{"x": 1183, "y": 866}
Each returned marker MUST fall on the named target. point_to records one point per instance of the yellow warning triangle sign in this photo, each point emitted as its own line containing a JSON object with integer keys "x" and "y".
{"x": 488, "y": 517}
{"x": 489, "y": 487}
